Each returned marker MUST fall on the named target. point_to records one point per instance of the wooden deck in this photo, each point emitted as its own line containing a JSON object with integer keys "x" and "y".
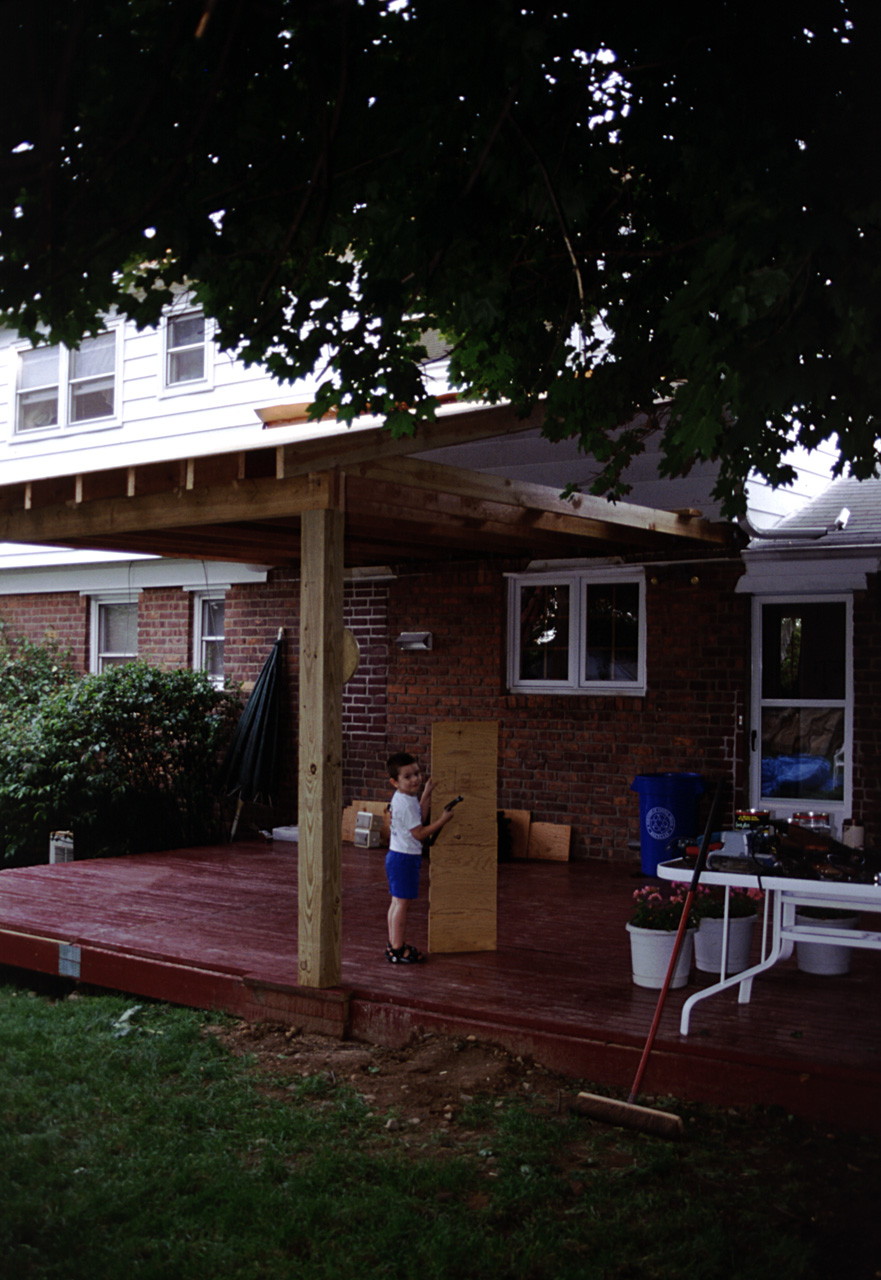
{"x": 216, "y": 928}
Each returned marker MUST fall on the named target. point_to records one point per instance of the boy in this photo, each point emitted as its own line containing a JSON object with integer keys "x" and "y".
{"x": 403, "y": 861}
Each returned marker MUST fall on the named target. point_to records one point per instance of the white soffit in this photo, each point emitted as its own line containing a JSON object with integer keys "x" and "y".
{"x": 786, "y": 576}
{"x": 130, "y": 575}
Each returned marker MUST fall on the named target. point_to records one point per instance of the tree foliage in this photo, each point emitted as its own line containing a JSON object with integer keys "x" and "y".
{"x": 337, "y": 176}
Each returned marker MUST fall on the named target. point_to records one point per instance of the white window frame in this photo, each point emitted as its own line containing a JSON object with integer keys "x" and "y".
{"x": 783, "y": 808}
{"x": 65, "y": 383}
{"x": 97, "y": 602}
{"x": 200, "y": 598}
{"x": 189, "y": 385}
{"x": 579, "y": 583}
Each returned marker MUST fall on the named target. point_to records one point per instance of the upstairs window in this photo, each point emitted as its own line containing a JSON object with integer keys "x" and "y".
{"x": 185, "y": 349}
{"x": 186, "y": 352}
{"x": 577, "y": 633}
{"x": 61, "y": 388}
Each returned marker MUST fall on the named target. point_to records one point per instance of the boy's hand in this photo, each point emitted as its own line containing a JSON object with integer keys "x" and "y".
{"x": 428, "y": 788}
{"x": 446, "y": 815}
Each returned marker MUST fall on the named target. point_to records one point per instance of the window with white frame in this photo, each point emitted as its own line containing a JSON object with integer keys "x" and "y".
{"x": 577, "y": 632}
{"x": 114, "y": 632}
{"x": 803, "y": 704}
{"x": 186, "y": 356}
{"x": 59, "y": 388}
{"x": 208, "y": 636}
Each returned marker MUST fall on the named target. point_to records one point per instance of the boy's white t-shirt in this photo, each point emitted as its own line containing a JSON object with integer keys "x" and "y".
{"x": 406, "y": 813}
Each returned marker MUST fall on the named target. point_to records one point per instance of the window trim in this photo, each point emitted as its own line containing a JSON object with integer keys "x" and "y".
{"x": 781, "y": 807}
{"x": 190, "y": 385}
{"x": 579, "y": 582}
{"x": 95, "y": 604}
{"x": 65, "y": 424}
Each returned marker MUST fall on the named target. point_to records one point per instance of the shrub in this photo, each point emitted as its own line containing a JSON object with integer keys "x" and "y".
{"x": 29, "y": 672}
{"x": 128, "y": 760}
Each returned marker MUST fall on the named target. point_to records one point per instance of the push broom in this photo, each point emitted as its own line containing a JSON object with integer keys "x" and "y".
{"x": 629, "y": 1115}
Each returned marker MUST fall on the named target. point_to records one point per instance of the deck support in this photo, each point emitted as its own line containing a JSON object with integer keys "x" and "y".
{"x": 321, "y": 749}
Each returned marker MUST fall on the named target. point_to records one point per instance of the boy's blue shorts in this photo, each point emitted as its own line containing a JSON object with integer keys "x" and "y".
{"x": 403, "y": 870}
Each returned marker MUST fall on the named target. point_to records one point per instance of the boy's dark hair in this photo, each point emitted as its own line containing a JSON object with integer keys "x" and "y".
{"x": 396, "y": 762}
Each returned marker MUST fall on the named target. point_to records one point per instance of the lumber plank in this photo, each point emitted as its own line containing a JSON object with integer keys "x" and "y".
{"x": 462, "y": 911}
{"x": 549, "y": 841}
{"x": 519, "y": 823}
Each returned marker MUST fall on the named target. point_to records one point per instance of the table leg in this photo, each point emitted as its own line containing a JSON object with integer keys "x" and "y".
{"x": 779, "y": 950}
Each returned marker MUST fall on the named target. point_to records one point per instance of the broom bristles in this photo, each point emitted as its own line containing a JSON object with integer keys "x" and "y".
{"x": 627, "y": 1115}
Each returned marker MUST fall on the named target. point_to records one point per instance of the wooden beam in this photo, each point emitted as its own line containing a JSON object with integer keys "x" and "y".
{"x": 248, "y": 500}
{"x": 430, "y": 516}
{"x": 582, "y": 514}
{"x": 345, "y": 448}
{"x": 321, "y": 749}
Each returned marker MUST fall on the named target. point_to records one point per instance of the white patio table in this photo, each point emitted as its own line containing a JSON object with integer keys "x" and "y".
{"x": 783, "y": 895}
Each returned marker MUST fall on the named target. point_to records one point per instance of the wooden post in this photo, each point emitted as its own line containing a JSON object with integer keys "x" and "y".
{"x": 321, "y": 749}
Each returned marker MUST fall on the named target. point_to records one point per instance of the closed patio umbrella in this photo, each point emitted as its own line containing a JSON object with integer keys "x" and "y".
{"x": 252, "y": 762}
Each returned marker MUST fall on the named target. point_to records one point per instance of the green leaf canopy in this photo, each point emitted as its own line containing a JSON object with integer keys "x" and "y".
{"x": 627, "y": 210}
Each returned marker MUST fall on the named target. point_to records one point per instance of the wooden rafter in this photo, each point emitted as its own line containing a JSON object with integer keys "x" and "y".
{"x": 247, "y": 505}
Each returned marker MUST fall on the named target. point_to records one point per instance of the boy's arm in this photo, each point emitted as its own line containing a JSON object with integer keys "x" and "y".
{"x": 425, "y": 801}
{"x": 427, "y": 830}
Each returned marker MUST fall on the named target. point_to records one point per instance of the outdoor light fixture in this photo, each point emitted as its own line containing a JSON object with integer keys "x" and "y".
{"x": 414, "y": 640}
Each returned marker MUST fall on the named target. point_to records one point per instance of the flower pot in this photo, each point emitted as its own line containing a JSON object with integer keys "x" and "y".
{"x": 819, "y": 957}
{"x": 708, "y": 944}
{"x": 650, "y": 952}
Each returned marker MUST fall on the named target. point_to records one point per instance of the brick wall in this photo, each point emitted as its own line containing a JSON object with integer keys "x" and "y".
{"x": 365, "y": 613}
{"x": 253, "y": 615}
{"x": 565, "y": 759}
{"x": 165, "y": 627}
{"x": 57, "y": 615}
{"x": 572, "y": 759}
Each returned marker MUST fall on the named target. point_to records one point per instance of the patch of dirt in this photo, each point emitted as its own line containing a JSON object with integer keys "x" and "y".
{"x": 421, "y": 1090}
{"x": 426, "y": 1083}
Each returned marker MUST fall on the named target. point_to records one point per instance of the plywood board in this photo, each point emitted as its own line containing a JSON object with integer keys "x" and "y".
{"x": 462, "y": 901}
{"x": 549, "y": 840}
{"x": 350, "y": 815}
{"x": 519, "y": 822}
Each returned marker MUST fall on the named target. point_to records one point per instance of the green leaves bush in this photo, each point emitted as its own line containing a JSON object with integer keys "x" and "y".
{"x": 128, "y": 760}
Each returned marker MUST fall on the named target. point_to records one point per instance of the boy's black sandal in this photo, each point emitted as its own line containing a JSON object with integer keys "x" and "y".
{"x": 404, "y": 954}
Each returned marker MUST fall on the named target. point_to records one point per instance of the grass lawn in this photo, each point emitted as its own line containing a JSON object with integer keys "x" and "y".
{"x": 135, "y": 1144}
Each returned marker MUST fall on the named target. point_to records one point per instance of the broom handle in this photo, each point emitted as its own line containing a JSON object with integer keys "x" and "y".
{"x": 677, "y": 944}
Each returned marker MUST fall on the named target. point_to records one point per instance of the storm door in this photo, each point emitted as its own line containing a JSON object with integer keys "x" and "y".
{"x": 802, "y": 706}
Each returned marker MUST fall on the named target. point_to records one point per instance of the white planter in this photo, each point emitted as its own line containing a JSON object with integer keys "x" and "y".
{"x": 819, "y": 957}
{"x": 708, "y": 945}
{"x": 650, "y": 952}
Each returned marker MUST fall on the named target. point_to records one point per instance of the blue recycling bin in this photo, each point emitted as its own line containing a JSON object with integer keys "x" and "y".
{"x": 667, "y": 813}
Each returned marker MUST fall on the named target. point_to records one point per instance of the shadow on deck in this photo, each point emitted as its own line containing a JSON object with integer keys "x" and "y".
{"x": 216, "y": 928}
